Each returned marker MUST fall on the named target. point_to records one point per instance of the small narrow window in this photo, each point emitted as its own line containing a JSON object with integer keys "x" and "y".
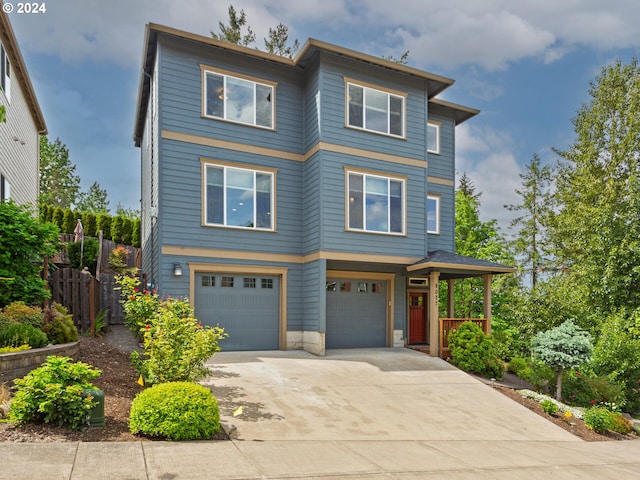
{"x": 376, "y": 288}
{"x": 362, "y": 287}
{"x": 345, "y": 286}
{"x": 267, "y": 283}
{"x": 206, "y": 280}
{"x": 433, "y": 137}
{"x": 5, "y": 73}
{"x": 249, "y": 282}
{"x": 331, "y": 286}
{"x": 433, "y": 214}
{"x": 227, "y": 282}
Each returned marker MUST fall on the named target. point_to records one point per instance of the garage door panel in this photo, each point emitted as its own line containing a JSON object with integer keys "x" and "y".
{"x": 356, "y": 313}
{"x": 246, "y": 306}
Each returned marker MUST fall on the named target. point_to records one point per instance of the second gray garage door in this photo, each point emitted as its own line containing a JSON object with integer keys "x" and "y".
{"x": 356, "y": 313}
{"x": 246, "y": 306}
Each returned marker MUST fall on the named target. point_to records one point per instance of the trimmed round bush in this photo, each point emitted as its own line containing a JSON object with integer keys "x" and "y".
{"x": 19, "y": 312}
{"x": 473, "y": 351}
{"x": 176, "y": 411}
{"x": 19, "y": 334}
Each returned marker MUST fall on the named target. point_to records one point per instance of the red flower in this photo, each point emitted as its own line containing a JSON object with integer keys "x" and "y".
{"x": 136, "y": 289}
{"x": 593, "y": 401}
{"x": 147, "y": 327}
{"x": 132, "y": 297}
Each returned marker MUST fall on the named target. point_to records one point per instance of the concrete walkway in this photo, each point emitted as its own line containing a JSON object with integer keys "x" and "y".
{"x": 356, "y": 414}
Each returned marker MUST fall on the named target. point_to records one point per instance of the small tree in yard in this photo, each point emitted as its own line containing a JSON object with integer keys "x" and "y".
{"x": 563, "y": 347}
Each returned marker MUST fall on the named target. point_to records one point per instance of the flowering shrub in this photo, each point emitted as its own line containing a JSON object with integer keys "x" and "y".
{"x": 175, "y": 343}
{"x": 584, "y": 390}
{"x": 139, "y": 305}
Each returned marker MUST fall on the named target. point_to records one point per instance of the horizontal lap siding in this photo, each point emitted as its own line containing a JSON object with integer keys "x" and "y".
{"x": 313, "y": 295}
{"x": 181, "y": 97}
{"x": 446, "y": 239}
{"x": 312, "y": 206}
{"x": 334, "y": 236}
{"x": 333, "y": 109}
{"x": 182, "y": 202}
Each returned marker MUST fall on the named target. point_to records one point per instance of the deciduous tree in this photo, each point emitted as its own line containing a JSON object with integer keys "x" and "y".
{"x": 59, "y": 185}
{"x": 93, "y": 200}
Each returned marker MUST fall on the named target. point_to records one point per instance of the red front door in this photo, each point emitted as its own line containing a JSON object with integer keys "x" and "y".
{"x": 417, "y": 317}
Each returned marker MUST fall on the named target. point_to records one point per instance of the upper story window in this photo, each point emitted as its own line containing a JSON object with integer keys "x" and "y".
{"x": 433, "y": 137}
{"x": 433, "y": 214}
{"x": 376, "y": 203}
{"x": 5, "y": 73}
{"x": 238, "y": 98}
{"x": 239, "y": 197}
{"x": 375, "y": 110}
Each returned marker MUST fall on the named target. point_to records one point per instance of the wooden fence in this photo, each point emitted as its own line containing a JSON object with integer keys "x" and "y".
{"x": 110, "y": 300}
{"x": 132, "y": 257}
{"x": 79, "y": 293}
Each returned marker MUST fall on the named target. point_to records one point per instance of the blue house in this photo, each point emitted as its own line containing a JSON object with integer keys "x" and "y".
{"x": 303, "y": 203}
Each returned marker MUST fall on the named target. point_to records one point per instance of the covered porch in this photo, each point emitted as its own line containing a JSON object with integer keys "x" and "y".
{"x": 448, "y": 267}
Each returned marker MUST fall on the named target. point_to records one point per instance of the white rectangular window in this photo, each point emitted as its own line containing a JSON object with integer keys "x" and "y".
{"x": 433, "y": 214}
{"x": 5, "y": 73}
{"x": 375, "y": 203}
{"x": 375, "y": 110}
{"x": 238, "y": 99}
{"x": 433, "y": 137}
{"x": 238, "y": 197}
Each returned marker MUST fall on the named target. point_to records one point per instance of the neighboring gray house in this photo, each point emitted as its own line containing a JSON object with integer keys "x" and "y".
{"x": 19, "y": 136}
{"x": 299, "y": 203}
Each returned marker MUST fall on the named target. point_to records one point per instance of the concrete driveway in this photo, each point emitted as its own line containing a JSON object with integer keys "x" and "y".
{"x": 365, "y": 394}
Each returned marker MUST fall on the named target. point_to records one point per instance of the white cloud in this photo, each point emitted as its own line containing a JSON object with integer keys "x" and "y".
{"x": 489, "y": 34}
{"x": 487, "y": 157}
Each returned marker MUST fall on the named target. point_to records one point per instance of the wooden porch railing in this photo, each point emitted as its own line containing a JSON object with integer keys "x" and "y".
{"x": 447, "y": 325}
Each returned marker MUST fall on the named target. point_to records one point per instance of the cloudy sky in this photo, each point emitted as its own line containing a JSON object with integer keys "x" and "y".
{"x": 525, "y": 64}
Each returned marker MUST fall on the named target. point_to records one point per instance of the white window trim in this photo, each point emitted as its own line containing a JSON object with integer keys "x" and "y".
{"x": 389, "y": 92}
{"x": 225, "y": 166}
{"x": 256, "y": 81}
{"x": 436, "y": 125}
{"x": 437, "y": 200}
{"x": 366, "y": 173}
{"x": 5, "y": 84}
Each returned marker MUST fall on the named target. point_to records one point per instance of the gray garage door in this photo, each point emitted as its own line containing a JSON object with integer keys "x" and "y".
{"x": 356, "y": 313}
{"x": 246, "y": 306}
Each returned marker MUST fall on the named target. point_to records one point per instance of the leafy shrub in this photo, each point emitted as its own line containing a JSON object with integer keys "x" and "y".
{"x": 583, "y": 390}
{"x": 18, "y": 334}
{"x": 23, "y": 238}
{"x": 58, "y": 325}
{"x": 135, "y": 233}
{"x": 88, "y": 252}
{"x": 533, "y": 371}
{"x": 103, "y": 222}
{"x": 549, "y": 407}
{"x": 68, "y": 221}
{"x": 620, "y": 424}
{"x": 617, "y": 355}
{"x": 176, "y": 411}
{"x": 118, "y": 259}
{"x": 52, "y": 393}
{"x": 19, "y": 312}
{"x": 21, "y": 348}
{"x": 598, "y": 419}
{"x": 176, "y": 345}
{"x": 472, "y": 351}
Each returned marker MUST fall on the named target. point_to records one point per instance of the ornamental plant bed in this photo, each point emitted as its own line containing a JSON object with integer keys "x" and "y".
{"x": 573, "y": 425}
{"x": 120, "y": 385}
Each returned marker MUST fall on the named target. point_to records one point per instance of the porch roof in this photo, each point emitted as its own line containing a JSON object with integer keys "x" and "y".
{"x": 452, "y": 266}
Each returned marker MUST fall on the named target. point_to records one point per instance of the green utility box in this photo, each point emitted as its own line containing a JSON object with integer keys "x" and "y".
{"x": 96, "y": 415}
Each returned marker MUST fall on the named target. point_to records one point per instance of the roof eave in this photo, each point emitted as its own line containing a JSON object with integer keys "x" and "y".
{"x": 20, "y": 69}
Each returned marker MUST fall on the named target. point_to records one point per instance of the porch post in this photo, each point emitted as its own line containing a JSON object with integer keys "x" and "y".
{"x": 450, "y": 298}
{"x": 434, "y": 319}
{"x": 487, "y": 299}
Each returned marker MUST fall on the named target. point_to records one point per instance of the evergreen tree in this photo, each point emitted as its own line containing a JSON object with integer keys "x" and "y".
{"x": 59, "y": 185}
{"x": 535, "y": 210}
{"x": 93, "y": 200}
